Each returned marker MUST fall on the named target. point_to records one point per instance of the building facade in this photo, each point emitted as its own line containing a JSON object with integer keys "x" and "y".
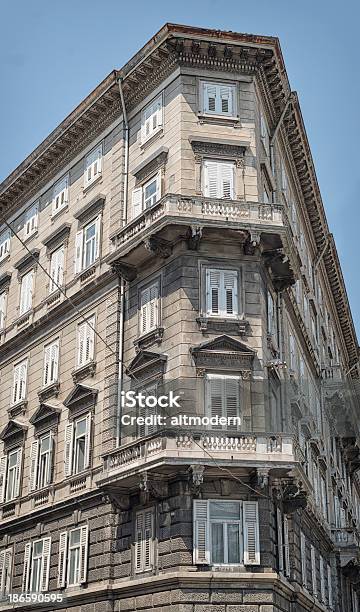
{"x": 169, "y": 236}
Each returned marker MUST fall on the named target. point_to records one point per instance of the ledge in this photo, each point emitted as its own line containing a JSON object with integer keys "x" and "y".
{"x": 84, "y": 371}
{"x": 152, "y": 337}
{"x": 223, "y": 142}
{"x": 159, "y": 156}
{"x": 57, "y": 236}
{"x": 17, "y": 409}
{"x": 27, "y": 261}
{"x": 90, "y": 209}
{"x": 49, "y": 391}
{"x": 237, "y": 325}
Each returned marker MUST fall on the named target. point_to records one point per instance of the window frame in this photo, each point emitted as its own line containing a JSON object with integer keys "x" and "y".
{"x": 5, "y": 243}
{"x": 56, "y": 276}
{"x": 233, "y": 91}
{"x": 89, "y": 337}
{"x": 144, "y": 138}
{"x": 16, "y": 471}
{"x": 31, "y": 221}
{"x": 98, "y": 160}
{"x": 19, "y": 398}
{"x": 64, "y": 191}
{"x": 205, "y": 180}
{"x": 237, "y": 293}
{"x": 155, "y": 283}
{"x": 138, "y": 194}
{"x": 81, "y": 245}
{"x": 30, "y": 297}
{"x": 53, "y": 363}
{"x": 211, "y": 376}
{"x": 6, "y": 569}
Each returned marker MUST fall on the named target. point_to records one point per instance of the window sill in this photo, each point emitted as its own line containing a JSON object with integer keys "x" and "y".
{"x": 29, "y": 237}
{"x": 237, "y": 325}
{"x": 18, "y": 409}
{"x": 58, "y": 212}
{"x": 9, "y": 508}
{"x": 25, "y": 319}
{"x": 88, "y": 273}
{"x": 81, "y": 372}
{"x": 157, "y": 134}
{"x": 154, "y": 336}
{"x": 5, "y": 258}
{"x": 49, "y": 391}
{"x": 219, "y": 119}
{"x": 53, "y": 299}
{"x": 89, "y": 186}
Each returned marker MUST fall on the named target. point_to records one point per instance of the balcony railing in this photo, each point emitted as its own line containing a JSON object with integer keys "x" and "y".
{"x": 343, "y": 537}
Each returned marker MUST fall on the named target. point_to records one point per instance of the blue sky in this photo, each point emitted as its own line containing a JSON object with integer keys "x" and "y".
{"x": 54, "y": 53}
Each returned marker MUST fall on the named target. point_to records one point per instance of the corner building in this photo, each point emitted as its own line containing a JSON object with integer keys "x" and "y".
{"x": 170, "y": 234}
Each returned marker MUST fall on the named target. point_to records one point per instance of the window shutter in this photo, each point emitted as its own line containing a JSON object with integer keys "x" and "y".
{"x": 232, "y": 397}
{"x": 138, "y": 541}
{"x": 145, "y": 298}
{"x": 280, "y": 542}
{"x": 2, "y": 571}
{"x": 26, "y": 569}
{"x": 330, "y": 592}
{"x": 47, "y": 365}
{"x": 226, "y": 173}
{"x": 230, "y": 292}
{"x": 34, "y": 455}
{"x": 213, "y": 291}
{"x": 226, "y": 100}
{"x": 159, "y": 112}
{"x": 251, "y": 533}
{"x": 322, "y": 579}
{"x": 209, "y": 98}
{"x": 45, "y": 567}
{"x": 51, "y": 458}
{"x": 84, "y": 545}
{"x": 69, "y": 435}
{"x": 5, "y": 570}
{"x": 82, "y": 343}
{"x": 136, "y": 202}
{"x": 78, "y": 251}
{"x": 201, "y": 532}
{"x": 62, "y": 559}
{"x": 148, "y": 539}
{"x": 3, "y": 464}
{"x": 286, "y": 546}
{"x": 303, "y": 558}
{"x": 215, "y": 393}
{"x": 89, "y": 339}
{"x": 211, "y": 187}
{"x": 55, "y": 360}
{"x": 313, "y": 571}
{"x": 88, "y": 440}
{"x": 2, "y": 309}
{"x": 153, "y": 306}
{"x": 18, "y": 473}
{"x": 158, "y": 186}
{"x": 97, "y": 236}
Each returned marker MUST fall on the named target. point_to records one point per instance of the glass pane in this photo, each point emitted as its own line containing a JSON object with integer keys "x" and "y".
{"x": 38, "y": 547}
{"x": 35, "y": 574}
{"x": 72, "y": 567}
{"x": 90, "y": 231}
{"x": 10, "y": 485}
{"x": 12, "y": 459}
{"x": 80, "y": 448}
{"x": 233, "y": 543}
{"x": 75, "y": 537}
{"x": 150, "y": 191}
{"x": 80, "y": 427}
{"x": 225, "y": 510}
{"x": 217, "y": 543}
{"x": 45, "y": 444}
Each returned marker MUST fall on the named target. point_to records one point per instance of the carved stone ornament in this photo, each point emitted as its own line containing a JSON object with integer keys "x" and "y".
{"x": 158, "y": 246}
{"x": 252, "y": 243}
{"x": 224, "y": 352}
{"x": 146, "y": 364}
{"x": 291, "y": 494}
{"x": 196, "y": 476}
{"x": 193, "y": 237}
{"x": 124, "y": 270}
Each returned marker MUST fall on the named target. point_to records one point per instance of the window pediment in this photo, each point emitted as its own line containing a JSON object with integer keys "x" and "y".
{"x": 45, "y": 412}
{"x": 13, "y": 430}
{"x": 205, "y": 147}
{"x": 145, "y": 364}
{"x": 91, "y": 209}
{"x": 28, "y": 261}
{"x": 5, "y": 280}
{"x": 151, "y": 165}
{"x": 81, "y": 396}
{"x": 57, "y": 237}
{"x": 223, "y": 352}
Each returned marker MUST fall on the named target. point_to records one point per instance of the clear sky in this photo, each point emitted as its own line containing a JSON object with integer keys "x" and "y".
{"x": 54, "y": 53}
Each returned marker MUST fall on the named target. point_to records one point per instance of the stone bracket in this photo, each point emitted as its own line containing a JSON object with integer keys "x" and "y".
{"x": 193, "y": 237}
{"x": 158, "y": 246}
{"x": 124, "y": 270}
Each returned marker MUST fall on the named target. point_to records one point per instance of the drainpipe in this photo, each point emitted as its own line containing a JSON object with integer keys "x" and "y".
{"x": 122, "y": 282}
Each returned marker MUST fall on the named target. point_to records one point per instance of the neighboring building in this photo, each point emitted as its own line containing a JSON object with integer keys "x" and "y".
{"x": 187, "y": 231}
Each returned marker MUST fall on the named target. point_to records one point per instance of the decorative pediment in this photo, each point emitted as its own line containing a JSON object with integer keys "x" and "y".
{"x": 145, "y": 364}
{"x": 13, "y": 430}
{"x": 81, "y": 395}
{"x": 223, "y": 352}
{"x": 45, "y": 412}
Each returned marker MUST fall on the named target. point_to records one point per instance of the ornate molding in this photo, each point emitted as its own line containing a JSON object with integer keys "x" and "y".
{"x": 196, "y": 478}
{"x": 158, "y": 246}
{"x": 124, "y": 270}
{"x": 193, "y": 237}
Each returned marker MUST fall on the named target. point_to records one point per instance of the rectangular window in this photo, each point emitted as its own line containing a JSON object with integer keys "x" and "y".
{"x": 31, "y": 220}
{"x": 6, "y": 562}
{"x": 219, "y": 99}
{"x": 73, "y": 555}
{"x": 4, "y": 244}
{"x": 87, "y": 246}
{"x": 322, "y": 579}
{"x": 147, "y": 428}
{"x": 86, "y": 341}
{"x": 93, "y": 165}
{"x": 283, "y": 542}
{"x": 37, "y": 566}
{"x": 223, "y": 399}
{"x": 19, "y": 382}
{"x": 57, "y": 269}
{"x": 303, "y": 558}
{"x": 226, "y": 532}
{"x": 51, "y": 363}
{"x": 26, "y": 292}
{"x": 3, "y": 301}
{"x": 271, "y": 315}
{"x": 152, "y": 119}
{"x": 41, "y": 461}
{"x": 10, "y": 472}
{"x": 222, "y": 293}
{"x": 144, "y": 540}
{"x": 219, "y": 179}
{"x": 284, "y": 179}
{"x": 330, "y": 592}
{"x": 60, "y": 195}
{"x": 313, "y": 570}
{"x": 264, "y": 134}
{"x": 147, "y": 195}
{"x": 149, "y": 308}
{"x": 77, "y": 445}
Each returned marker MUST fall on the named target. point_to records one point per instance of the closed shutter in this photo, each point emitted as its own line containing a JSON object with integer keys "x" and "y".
{"x": 226, "y": 100}
{"x": 286, "y": 546}
{"x": 78, "y": 251}
{"x": 26, "y": 292}
{"x": 322, "y": 579}
{"x": 218, "y": 99}
{"x": 84, "y": 545}
{"x": 2, "y": 309}
{"x": 211, "y": 186}
{"x": 251, "y": 533}
{"x": 330, "y": 591}
{"x": 212, "y": 292}
{"x": 3, "y": 465}
{"x": 34, "y": 457}
{"x": 230, "y": 292}
{"x": 2, "y": 571}
{"x": 69, "y": 436}
{"x": 97, "y": 236}
{"x": 303, "y": 558}
{"x": 313, "y": 571}
{"x": 215, "y": 395}
{"x": 226, "y": 175}
{"x": 232, "y": 398}
{"x": 201, "y": 532}
{"x": 62, "y": 559}
{"x": 26, "y": 568}
{"x": 51, "y": 458}
{"x": 137, "y": 198}
{"x": 5, "y": 570}
{"x": 149, "y": 307}
{"x": 223, "y": 396}
{"x": 280, "y": 541}
{"x": 18, "y": 472}
{"x": 148, "y": 540}
{"x": 88, "y": 441}
{"x": 219, "y": 180}
{"x": 222, "y": 292}
{"x": 209, "y": 93}
{"x": 45, "y": 567}
{"x": 57, "y": 269}
{"x": 139, "y": 522}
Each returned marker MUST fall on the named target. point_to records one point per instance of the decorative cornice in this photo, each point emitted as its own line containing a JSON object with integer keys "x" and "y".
{"x": 57, "y": 236}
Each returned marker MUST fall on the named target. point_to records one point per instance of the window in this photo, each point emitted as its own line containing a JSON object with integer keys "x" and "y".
{"x": 3, "y": 300}
{"x": 322, "y": 579}
{"x": 31, "y": 220}
{"x": 283, "y": 542}
{"x": 264, "y": 134}
{"x": 77, "y": 445}
{"x": 73, "y": 554}
{"x": 6, "y": 560}
{"x": 226, "y": 532}
{"x": 223, "y": 399}
{"x": 87, "y": 245}
{"x": 19, "y": 382}
{"x": 93, "y": 163}
{"x": 86, "y": 341}
{"x": 51, "y": 363}
{"x": 41, "y": 461}
{"x": 152, "y": 119}
{"x": 149, "y": 308}
{"x": 313, "y": 570}
{"x": 303, "y": 558}
{"x": 284, "y": 180}
{"x": 10, "y": 469}
{"x": 57, "y": 269}
{"x": 221, "y": 293}
{"x": 271, "y": 315}
{"x": 329, "y": 581}
{"x": 144, "y": 540}
{"x": 4, "y": 244}
{"x": 219, "y": 179}
{"x": 218, "y": 99}
{"x": 267, "y": 195}
{"x": 37, "y": 565}
{"x": 147, "y": 195}
{"x": 60, "y": 195}
{"x": 26, "y": 292}
{"x": 293, "y": 352}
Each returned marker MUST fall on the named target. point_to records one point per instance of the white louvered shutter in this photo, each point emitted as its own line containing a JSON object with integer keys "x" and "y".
{"x": 137, "y": 198}
{"x": 87, "y": 441}
{"x": 54, "y": 361}
{"x": 97, "y": 236}
{"x": 79, "y": 240}
{"x": 69, "y": 436}
{"x": 148, "y": 540}
{"x": 2, "y": 571}
{"x": 18, "y": 472}
{"x": 322, "y": 579}
{"x": 6, "y": 557}
{"x": 2, "y": 309}
{"x": 212, "y": 292}
{"x": 57, "y": 269}
{"x": 26, "y": 292}
{"x": 47, "y": 365}
{"x": 149, "y": 307}
{"x": 313, "y": 571}
{"x": 51, "y": 458}
{"x": 60, "y": 196}
{"x": 330, "y": 591}
{"x": 230, "y": 293}
{"x": 3, "y": 465}
{"x": 215, "y": 395}
{"x": 159, "y": 112}
{"x": 251, "y": 533}
{"x": 286, "y": 547}
{"x": 34, "y": 458}
{"x": 226, "y": 100}
{"x": 26, "y": 568}
{"x": 45, "y": 567}
{"x": 280, "y": 541}
{"x": 139, "y": 526}
{"x": 211, "y": 186}
{"x": 82, "y": 329}
{"x": 201, "y": 532}
{"x": 226, "y": 179}
{"x": 89, "y": 339}
{"x": 209, "y": 92}
{"x": 232, "y": 398}
{"x": 303, "y": 558}
{"x": 63, "y": 538}
{"x": 84, "y": 546}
